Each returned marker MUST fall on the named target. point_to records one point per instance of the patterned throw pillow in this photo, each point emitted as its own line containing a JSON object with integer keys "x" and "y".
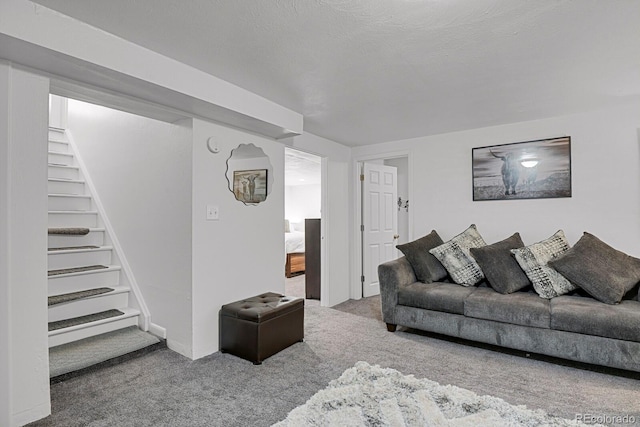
{"x": 457, "y": 259}
{"x": 533, "y": 259}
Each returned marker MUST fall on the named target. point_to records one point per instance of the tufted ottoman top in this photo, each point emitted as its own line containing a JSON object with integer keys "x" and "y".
{"x": 262, "y": 307}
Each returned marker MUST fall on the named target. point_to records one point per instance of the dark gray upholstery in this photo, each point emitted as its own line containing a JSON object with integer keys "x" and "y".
{"x": 447, "y": 297}
{"x": 588, "y": 316}
{"x": 604, "y": 272}
{"x": 520, "y": 308}
{"x": 425, "y": 266}
{"x": 500, "y": 267}
{"x": 393, "y": 274}
{"x": 581, "y": 328}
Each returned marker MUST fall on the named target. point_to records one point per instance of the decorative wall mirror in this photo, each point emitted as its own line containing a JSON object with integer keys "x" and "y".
{"x": 249, "y": 174}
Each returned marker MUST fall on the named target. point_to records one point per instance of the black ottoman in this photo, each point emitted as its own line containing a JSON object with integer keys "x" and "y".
{"x": 258, "y": 327}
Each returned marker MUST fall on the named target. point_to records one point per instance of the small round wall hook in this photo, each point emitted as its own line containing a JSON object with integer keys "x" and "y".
{"x": 212, "y": 145}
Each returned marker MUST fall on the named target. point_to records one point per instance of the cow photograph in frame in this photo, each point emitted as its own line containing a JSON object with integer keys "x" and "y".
{"x": 539, "y": 169}
{"x": 250, "y": 186}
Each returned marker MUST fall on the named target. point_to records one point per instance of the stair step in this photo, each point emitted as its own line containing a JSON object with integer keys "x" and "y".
{"x": 118, "y": 297}
{"x": 72, "y": 296}
{"x": 99, "y": 349}
{"x": 85, "y": 219}
{"x": 84, "y": 330}
{"x": 69, "y": 257}
{"x": 60, "y": 158}
{"x": 94, "y": 237}
{"x": 63, "y": 172}
{"x": 58, "y": 146}
{"x": 76, "y": 248}
{"x": 69, "y": 231}
{"x": 65, "y": 186}
{"x": 76, "y": 321}
{"x": 72, "y": 270}
{"x": 72, "y": 282}
{"x": 69, "y": 202}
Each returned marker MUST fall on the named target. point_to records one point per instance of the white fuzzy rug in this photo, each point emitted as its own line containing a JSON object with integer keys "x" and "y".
{"x": 368, "y": 395}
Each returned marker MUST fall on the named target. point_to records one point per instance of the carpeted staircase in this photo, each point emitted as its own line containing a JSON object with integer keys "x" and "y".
{"x": 94, "y": 315}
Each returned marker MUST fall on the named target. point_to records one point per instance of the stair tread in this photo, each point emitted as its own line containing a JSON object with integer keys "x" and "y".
{"x": 75, "y": 249}
{"x": 73, "y": 212}
{"x": 81, "y": 269}
{"x": 63, "y": 166}
{"x": 81, "y": 320}
{"x": 97, "y": 349}
{"x": 60, "y": 152}
{"x": 77, "y": 181}
{"x": 71, "y": 196}
{"x": 126, "y": 313}
{"x": 72, "y": 231}
{"x": 73, "y": 296}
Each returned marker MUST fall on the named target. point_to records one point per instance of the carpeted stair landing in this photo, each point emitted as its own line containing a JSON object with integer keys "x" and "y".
{"x": 94, "y": 352}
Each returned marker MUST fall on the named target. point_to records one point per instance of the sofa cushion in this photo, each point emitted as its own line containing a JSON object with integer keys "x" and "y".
{"x": 455, "y": 256}
{"x": 519, "y": 308}
{"x": 437, "y": 296}
{"x": 585, "y": 315}
{"x": 426, "y": 267}
{"x": 604, "y": 272}
{"x": 500, "y": 267}
{"x": 533, "y": 259}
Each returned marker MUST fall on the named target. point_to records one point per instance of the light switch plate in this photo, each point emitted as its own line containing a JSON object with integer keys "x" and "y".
{"x": 213, "y": 213}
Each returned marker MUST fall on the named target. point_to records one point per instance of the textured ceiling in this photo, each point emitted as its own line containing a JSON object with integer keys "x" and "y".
{"x": 368, "y": 71}
{"x": 301, "y": 168}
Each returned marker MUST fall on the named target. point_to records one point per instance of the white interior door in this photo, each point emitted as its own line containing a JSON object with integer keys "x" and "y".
{"x": 380, "y": 222}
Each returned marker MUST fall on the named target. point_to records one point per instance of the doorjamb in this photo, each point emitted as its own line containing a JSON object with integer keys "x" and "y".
{"x": 355, "y": 290}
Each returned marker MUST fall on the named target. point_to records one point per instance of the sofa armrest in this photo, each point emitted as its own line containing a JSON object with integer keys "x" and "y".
{"x": 391, "y": 275}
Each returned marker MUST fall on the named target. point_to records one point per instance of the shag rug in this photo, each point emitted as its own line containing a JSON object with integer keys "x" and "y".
{"x": 368, "y": 395}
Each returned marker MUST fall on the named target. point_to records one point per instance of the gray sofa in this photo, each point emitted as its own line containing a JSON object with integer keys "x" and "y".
{"x": 577, "y": 328}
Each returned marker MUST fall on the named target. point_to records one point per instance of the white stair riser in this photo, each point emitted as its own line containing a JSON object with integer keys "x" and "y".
{"x": 76, "y": 335}
{"x": 62, "y": 203}
{"x": 63, "y": 187}
{"x": 63, "y": 172}
{"x": 87, "y": 306}
{"x": 58, "y": 146}
{"x": 60, "y": 158}
{"x": 63, "y": 285}
{"x": 74, "y": 259}
{"x": 95, "y": 238}
{"x": 68, "y": 219}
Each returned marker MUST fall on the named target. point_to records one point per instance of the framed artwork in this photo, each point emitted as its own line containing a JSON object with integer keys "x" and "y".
{"x": 538, "y": 169}
{"x": 250, "y": 186}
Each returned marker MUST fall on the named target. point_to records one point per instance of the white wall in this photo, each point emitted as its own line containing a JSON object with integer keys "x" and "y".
{"x": 605, "y": 181}
{"x": 241, "y": 254}
{"x": 24, "y": 357}
{"x": 141, "y": 169}
{"x": 302, "y": 201}
{"x": 336, "y": 221}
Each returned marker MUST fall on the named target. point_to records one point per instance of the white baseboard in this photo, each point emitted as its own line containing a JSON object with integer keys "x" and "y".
{"x": 158, "y": 331}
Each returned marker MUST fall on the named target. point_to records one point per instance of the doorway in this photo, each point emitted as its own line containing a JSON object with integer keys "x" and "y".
{"x": 303, "y": 225}
{"x": 382, "y": 215}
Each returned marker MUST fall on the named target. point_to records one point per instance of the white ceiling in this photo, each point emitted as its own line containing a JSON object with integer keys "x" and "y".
{"x": 301, "y": 168}
{"x": 369, "y": 71}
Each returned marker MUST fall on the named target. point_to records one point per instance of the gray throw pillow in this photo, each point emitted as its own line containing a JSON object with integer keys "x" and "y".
{"x": 457, "y": 259}
{"x": 533, "y": 259}
{"x": 604, "y": 272}
{"x": 500, "y": 267}
{"x": 426, "y": 267}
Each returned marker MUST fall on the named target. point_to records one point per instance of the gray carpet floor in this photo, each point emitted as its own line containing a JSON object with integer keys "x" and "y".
{"x": 164, "y": 388}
